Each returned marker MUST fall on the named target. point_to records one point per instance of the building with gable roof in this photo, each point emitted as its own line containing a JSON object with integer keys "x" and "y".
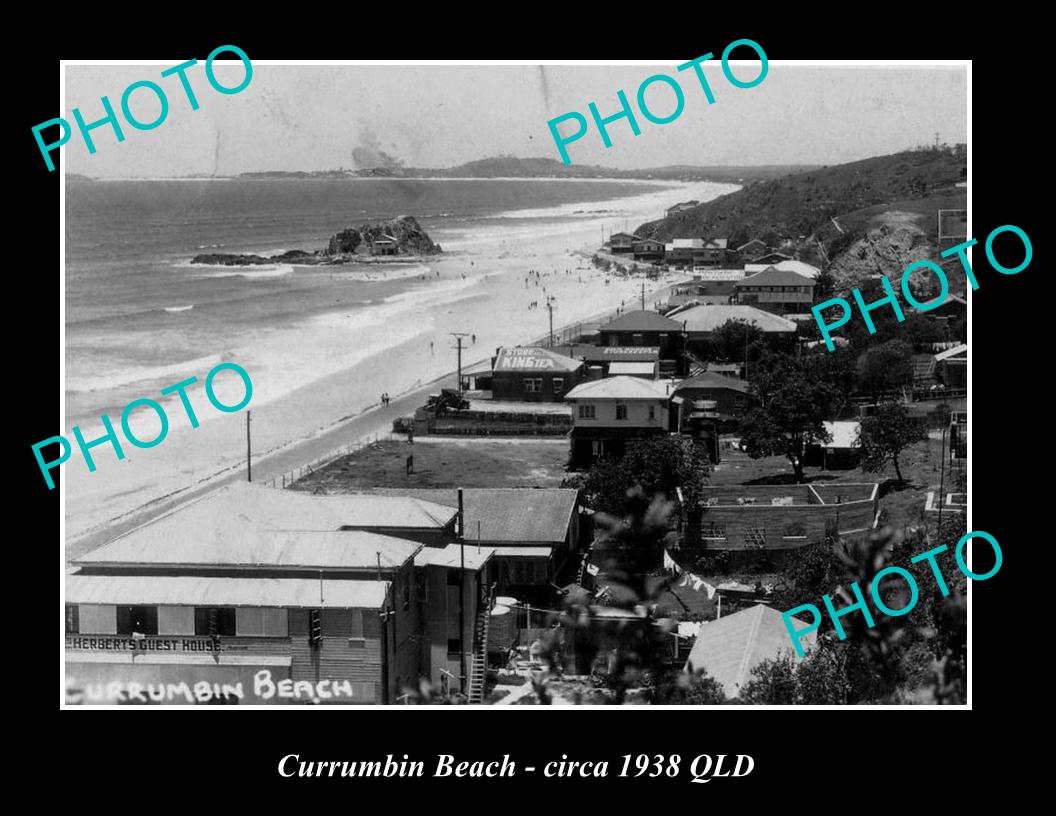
{"x": 643, "y": 327}
{"x": 608, "y": 413}
{"x": 318, "y": 594}
{"x": 776, "y": 290}
{"x": 730, "y": 647}
{"x": 533, "y": 374}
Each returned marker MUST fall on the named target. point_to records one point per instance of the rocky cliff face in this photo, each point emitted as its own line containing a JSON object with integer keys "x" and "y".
{"x": 410, "y": 237}
{"x": 887, "y": 251}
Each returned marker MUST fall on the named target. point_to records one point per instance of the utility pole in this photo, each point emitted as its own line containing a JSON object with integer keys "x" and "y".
{"x": 249, "y": 451}
{"x": 462, "y": 591}
{"x": 643, "y": 296}
{"x": 942, "y": 478}
{"x": 458, "y": 338}
{"x": 550, "y": 308}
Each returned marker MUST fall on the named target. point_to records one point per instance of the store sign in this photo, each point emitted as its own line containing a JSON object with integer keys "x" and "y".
{"x": 522, "y": 358}
{"x": 101, "y": 643}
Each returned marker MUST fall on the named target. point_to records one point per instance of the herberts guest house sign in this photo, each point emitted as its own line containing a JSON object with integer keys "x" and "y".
{"x": 128, "y": 644}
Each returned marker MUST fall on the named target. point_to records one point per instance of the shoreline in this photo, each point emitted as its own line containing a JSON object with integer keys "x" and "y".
{"x": 318, "y": 389}
{"x": 265, "y": 466}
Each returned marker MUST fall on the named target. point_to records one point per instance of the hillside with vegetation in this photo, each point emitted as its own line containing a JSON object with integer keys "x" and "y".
{"x": 865, "y": 217}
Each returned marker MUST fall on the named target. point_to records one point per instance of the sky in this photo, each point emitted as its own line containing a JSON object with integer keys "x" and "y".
{"x": 329, "y": 117}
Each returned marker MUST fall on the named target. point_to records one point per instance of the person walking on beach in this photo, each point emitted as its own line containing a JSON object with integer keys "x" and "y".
{"x": 430, "y": 346}
{"x": 473, "y": 337}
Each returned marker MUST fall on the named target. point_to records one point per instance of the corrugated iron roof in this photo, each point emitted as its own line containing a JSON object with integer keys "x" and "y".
{"x": 642, "y": 320}
{"x": 193, "y": 591}
{"x": 626, "y": 388}
{"x": 773, "y": 276}
{"x": 631, "y": 368}
{"x": 730, "y": 647}
{"x": 449, "y": 556}
{"x": 507, "y": 514}
{"x": 532, "y": 359}
{"x": 710, "y": 379}
{"x": 255, "y": 522}
{"x": 844, "y": 434}
{"x": 955, "y": 352}
{"x": 710, "y": 318}
{"x": 246, "y": 546}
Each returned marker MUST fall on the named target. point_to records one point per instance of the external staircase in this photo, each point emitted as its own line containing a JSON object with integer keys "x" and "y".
{"x": 478, "y": 670}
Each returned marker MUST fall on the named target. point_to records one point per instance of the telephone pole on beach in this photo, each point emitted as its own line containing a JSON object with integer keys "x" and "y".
{"x": 458, "y": 339}
{"x": 550, "y": 308}
{"x": 643, "y": 296}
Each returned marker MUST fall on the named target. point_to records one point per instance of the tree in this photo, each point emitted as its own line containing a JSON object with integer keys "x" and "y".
{"x": 658, "y": 465}
{"x": 733, "y": 341}
{"x": 886, "y": 434}
{"x": 837, "y": 368}
{"x": 885, "y": 367}
{"x": 789, "y": 412}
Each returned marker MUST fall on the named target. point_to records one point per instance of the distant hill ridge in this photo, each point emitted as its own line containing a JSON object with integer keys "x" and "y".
{"x": 514, "y": 167}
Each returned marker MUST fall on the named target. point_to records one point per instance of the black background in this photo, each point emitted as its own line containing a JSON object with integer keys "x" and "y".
{"x": 804, "y": 759}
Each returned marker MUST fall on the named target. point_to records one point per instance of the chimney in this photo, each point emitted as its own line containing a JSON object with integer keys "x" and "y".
{"x": 461, "y": 517}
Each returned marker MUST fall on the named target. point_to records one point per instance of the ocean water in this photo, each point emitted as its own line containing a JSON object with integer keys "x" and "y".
{"x": 140, "y": 317}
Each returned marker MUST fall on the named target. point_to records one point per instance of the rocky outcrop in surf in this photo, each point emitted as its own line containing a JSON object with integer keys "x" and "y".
{"x": 402, "y": 238}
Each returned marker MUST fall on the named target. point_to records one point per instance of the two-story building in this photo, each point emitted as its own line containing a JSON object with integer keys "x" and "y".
{"x": 648, "y": 328}
{"x": 534, "y": 534}
{"x": 256, "y": 595}
{"x": 702, "y": 321}
{"x": 620, "y": 242}
{"x": 729, "y": 394}
{"x": 696, "y": 251}
{"x": 607, "y": 414}
{"x": 778, "y": 291}
{"x": 648, "y": 249}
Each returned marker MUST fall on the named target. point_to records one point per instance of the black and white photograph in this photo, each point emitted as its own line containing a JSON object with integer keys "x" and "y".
{"x": 517, "y": 383}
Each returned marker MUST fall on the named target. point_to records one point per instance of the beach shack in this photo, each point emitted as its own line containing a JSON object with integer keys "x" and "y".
{"x": 621, "y": 242}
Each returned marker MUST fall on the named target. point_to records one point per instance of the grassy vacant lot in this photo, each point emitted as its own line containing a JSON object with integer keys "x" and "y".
{"x": 490, "y": 462}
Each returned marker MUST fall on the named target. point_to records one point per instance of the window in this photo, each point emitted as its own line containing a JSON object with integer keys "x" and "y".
{"x": 587, "y": 412}
{"x": 142, "y": 619}
{"x": 214, "y": 620}
{"x": 355, "y": 630}
{"x": 454, "y": 646}
{"x": 71, "y": 619}
{"x": 258, "y": 621}
{"x": 596, "y": 448}
{"x": 175, "y": 620}
{"x": 533, "y": 385}
{"x": 454, "y": 577}
{"x": 652, "y": 413}
{"x": 406, "y": 595}
{"x": 97, "y": 620}
{"x": 614, "y": 340}
{"x": 637, "y": 338}
{"x": 559, "y": 385}
{"x": 621, "y": 412}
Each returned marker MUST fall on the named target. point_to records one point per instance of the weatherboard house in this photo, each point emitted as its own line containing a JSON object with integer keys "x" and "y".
{"x": 609, "y": 413}
{"x": 255, "y": 595}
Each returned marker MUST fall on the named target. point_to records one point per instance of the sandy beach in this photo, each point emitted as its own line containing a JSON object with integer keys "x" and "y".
{"x": 341, "y": 362}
